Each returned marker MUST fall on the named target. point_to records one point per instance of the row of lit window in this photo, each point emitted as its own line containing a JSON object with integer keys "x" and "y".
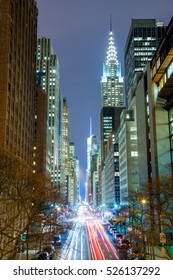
{"x": 147, "y": 38}
{"x": 137, "y": 54}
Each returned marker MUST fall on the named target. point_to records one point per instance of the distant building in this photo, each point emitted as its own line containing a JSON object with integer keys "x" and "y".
{"x": 111, "y": 176}
{"x": 65, "y": 146}
{"x": 78, "y": 193}
{"x": 73, "y": 181}
{"x": 96, "y": 181}
{"x": 92, "y": 153}
{"x": 110, "y": 120}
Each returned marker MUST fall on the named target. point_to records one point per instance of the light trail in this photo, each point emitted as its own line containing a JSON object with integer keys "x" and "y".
{"x": 88, "y": 240}
{"x": 100, "y": 245}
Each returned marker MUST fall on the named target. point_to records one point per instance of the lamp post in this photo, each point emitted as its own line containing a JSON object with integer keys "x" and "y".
{"x": 143, "y": 203}
{"x": 162, "y": 238}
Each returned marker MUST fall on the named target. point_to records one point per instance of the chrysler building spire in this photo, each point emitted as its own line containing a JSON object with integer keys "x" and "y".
{"x": 111, "y": 52}
{"x": 112, "y": 81}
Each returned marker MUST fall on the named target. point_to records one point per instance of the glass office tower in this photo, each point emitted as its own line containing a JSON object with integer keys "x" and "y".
{"x": 143, "y": 39}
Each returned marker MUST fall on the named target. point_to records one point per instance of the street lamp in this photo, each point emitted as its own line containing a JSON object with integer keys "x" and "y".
{"x": 143, "y": 203}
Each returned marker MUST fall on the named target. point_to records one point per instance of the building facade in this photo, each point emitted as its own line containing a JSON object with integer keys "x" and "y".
{"x": 40, "y": 136}
{"x": 18, "y": 33}
{"x": 128, "y": 156}
{"x": 154, "y": 101}
{"x": 111, "y": 177}
{"x": 153, "y": 95}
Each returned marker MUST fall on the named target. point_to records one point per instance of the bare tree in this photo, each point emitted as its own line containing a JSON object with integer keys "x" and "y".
{"x": 26, "y": 201}
{"x": 149, "y": 215}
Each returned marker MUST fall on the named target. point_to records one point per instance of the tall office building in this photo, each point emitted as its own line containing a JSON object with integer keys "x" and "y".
{"x": 142, "y": 41}
{"x": 48, "y": 69}
{"x": 152, "y": 100}
{"x": 18, "y": 33}
{"x": 65, "y": 135}
{"x": 65, "y": 149}
{"x": 112, "y": 94}
{"x": 73, "y": 180}
{"x": 92, "y": 154}
{"x": 110, "y": 120}
{"x": 88, "y": 171}
{"x": 154, "y": 109}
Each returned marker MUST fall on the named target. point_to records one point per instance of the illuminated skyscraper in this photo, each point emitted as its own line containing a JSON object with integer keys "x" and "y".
{"x": 48, "y": 67}
{"x": 65, "y": 149}
{"x": 65, "y": 135}
{"x": 92, "y": 154}
{"x": 73, "y": 175}
{"x": 112, "y": 92}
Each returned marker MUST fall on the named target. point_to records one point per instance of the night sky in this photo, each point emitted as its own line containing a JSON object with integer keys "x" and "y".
{"x": 79, "y": 32}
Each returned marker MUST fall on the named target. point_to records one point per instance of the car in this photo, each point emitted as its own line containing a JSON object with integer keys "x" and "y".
{"x": 124, "y": 243}
{"x": 47, "y": 253}
{"x": 114, "y": 231}
{"x": 111, "y": 228}
{"x": 50, "y": 249}
{"x": 118, "y": 237}
{"x": 43, "y": 256}
{"x": 56, "y": 241}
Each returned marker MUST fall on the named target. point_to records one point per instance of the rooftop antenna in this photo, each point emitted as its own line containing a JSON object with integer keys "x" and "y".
{"x": 110, "y": 23}
{"x": 90, "y": 126}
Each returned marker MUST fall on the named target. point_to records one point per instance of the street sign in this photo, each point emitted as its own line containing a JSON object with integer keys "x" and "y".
{"x": 162, "y": 238}
{"x": 23, "y": 236}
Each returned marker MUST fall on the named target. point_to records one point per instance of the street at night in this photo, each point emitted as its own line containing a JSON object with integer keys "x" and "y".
{"x": 88, "y": 240}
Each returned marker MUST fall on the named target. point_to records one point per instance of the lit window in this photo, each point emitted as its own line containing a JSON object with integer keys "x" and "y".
{"x": 133, "y": 137}
{"x": 134, "y": 153}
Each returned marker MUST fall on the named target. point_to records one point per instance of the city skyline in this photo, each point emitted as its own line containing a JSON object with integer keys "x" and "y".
{"x": 86, "y": 154}
{"x": 72, "y": 27}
